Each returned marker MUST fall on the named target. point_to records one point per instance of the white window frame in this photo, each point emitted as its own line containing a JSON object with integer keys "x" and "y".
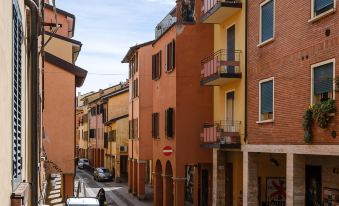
{"x": 312, "y": 76}
{"x": 260, "y": 24}
{"x": 315, "y": 17}
{"x": 260, "y": 82}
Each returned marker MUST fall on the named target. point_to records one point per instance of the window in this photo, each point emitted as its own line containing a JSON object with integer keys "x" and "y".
{"x": 93, "y": 111}
{"x": 92, "y": 133}
{"x": 170, "y": 56}
{"x": 112, "y": 135}
{"x": 156, "y": 66}
{"x": 155, "y": 125}
{"x": 106, "y": 140}
{"x": 266, "y": 21}
{"x": 133, "y": 129}
{"x": 133, "y": 65}
{"x": 323, "y": 81}
{"x": 169, "y": 122}
{"x": 135, "y": 90}
{"x": 321, "y": 6}
{"x": 16, "y": 93}
{"x": 266, "y": 94}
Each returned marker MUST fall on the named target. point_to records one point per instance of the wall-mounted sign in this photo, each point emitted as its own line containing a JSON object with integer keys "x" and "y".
{"x": 167, "y": 150}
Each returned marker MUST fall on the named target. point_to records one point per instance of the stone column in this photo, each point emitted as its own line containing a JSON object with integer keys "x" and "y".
{"x": 130, "y": 175}
{"x": 299, "y": 180}
{"x": 141, "y": 179}
{"x": 289, "y": 179}
{"x": 135, "y": 177}
{"x": 179, "y": 191}
{"x": 157, "y": 189}
{"x": 250, "y": 179}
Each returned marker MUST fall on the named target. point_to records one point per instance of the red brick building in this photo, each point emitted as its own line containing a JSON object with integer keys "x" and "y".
{"x": 182, "y": 169}
{"x": 293, "y": 50}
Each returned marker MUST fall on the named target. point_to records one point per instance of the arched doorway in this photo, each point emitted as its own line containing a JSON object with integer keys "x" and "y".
{"x": 169, "y": 184}
{"x": 158, "y": 186}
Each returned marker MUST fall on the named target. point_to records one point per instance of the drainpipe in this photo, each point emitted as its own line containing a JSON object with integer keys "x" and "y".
{"x": 246, "y": 67}
{"x": 34, "y": 66}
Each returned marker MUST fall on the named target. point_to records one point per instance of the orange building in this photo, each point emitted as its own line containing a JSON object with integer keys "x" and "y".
{"x": 140, "y": 112}
{"x": 182, "y": 169}
{"x": 60, "y": 79}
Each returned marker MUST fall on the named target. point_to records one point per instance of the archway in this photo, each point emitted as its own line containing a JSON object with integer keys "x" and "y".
{"x": 158, "y": 185}
{"x": 169, "y": 184}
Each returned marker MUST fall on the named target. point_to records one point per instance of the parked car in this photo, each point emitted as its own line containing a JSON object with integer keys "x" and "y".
{"x": 102, "y": 174}
{"x": 83, "y": 163}
{"x": 83, "y": 201}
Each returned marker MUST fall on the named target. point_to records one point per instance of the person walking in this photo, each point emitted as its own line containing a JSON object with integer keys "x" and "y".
{"x": 101, "y": 197}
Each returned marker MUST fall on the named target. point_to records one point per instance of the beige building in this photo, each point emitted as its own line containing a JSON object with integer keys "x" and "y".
{"x": 116, "y": 131}
{"x": 16, "y": 69}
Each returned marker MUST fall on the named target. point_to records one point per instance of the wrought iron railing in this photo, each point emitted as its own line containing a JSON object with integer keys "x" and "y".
{"x": 221, "y": 132}
{"x": 209, "y": 4}
{"x": 222, "y": 61}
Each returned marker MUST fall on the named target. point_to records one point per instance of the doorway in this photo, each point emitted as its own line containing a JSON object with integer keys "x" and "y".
{"x": 229, "y": 184}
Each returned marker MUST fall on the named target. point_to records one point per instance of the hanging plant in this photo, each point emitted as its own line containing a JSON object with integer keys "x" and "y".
{"x": 321, "y": 114}
{"x": 308, "y": 122}
{"x": 322, "y": 111}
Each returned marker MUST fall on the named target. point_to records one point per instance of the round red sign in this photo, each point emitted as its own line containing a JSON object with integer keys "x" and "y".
{"x": 167, "y": 150}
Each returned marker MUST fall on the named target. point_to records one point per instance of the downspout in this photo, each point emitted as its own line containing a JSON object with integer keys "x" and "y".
{"x": 34, "y": 75}
{"x": 246, "y": 67}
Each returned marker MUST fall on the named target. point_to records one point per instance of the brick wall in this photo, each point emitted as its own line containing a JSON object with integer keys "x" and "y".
{"x": 297, "y": 45}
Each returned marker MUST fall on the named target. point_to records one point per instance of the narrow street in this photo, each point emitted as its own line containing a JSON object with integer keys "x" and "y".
{"x": 116, "y": 193}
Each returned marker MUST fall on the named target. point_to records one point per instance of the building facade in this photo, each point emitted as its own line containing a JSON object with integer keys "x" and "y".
{"x": 182, "y": 170}
{"x": 60, "y": 79}
{"x": 224, "y": 69}
{"x": 140, "y": 112}
{"x": 292, "y": 153}
{"x": 116, "y": 131}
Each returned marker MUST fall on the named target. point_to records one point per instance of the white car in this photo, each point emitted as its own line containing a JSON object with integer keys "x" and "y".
{"x": 83, "y": 163}
{"x": 83, "y": 201}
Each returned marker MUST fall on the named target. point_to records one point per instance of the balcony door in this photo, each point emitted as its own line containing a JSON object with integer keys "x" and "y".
{"x": 229, "y": 107}
{"x": 230, "y": 47}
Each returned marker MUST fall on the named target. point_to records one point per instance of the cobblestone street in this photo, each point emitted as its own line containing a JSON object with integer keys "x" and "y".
{"x": 116, "y": 193}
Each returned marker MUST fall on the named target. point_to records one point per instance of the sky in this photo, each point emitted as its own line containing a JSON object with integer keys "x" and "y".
{"x": 107, "y": 29}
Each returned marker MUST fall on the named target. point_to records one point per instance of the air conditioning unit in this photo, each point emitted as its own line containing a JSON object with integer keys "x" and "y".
{"x": 123, "y": 149}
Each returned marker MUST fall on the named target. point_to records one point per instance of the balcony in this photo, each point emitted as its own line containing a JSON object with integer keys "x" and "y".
{"x": 217, "y": 11}
{"x": 220, "y": 68}
{"x": 222, "y": 134}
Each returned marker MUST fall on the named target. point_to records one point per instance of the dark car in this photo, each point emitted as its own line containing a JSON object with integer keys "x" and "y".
{"x": 102, "y": 174}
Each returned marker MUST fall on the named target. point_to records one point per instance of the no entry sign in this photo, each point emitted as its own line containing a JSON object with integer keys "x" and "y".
{"x": 167, "y": 150}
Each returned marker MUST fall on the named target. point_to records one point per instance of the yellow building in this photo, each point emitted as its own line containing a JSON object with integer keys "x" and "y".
{"x": 225, "y": 70}
{"x": 116, "y": 131}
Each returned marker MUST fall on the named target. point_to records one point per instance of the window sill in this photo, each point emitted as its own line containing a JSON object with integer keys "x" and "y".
{"x": 323, "y": 15}
{"x": 265, "y": 42}
{"x": 265, "y": 121}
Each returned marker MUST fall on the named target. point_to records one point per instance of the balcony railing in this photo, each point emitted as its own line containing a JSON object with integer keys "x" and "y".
{"x": 215, "y": 11}
{"x": 221, "y": 134}
{"x": 221, "y": 64}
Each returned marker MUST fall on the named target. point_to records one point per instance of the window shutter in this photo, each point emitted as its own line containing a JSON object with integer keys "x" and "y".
{"x": 17, "y": 101}
{"x": 173, "y": 54}
{"x": 267, "y": 97}
{"x": 320, "y": 5}
{"x": 169, "y": 122}
{"x": 153, "y": 66}
{"x": 153, "y": 128}
{"x": 160, "y": 64}
{"x": 267, "y": 11}
{"x": 323, "y": 79}
{"x": 167, "y": 59}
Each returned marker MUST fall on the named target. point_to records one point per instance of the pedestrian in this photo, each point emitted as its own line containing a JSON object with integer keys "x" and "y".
{"x": 101, "y": 197}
